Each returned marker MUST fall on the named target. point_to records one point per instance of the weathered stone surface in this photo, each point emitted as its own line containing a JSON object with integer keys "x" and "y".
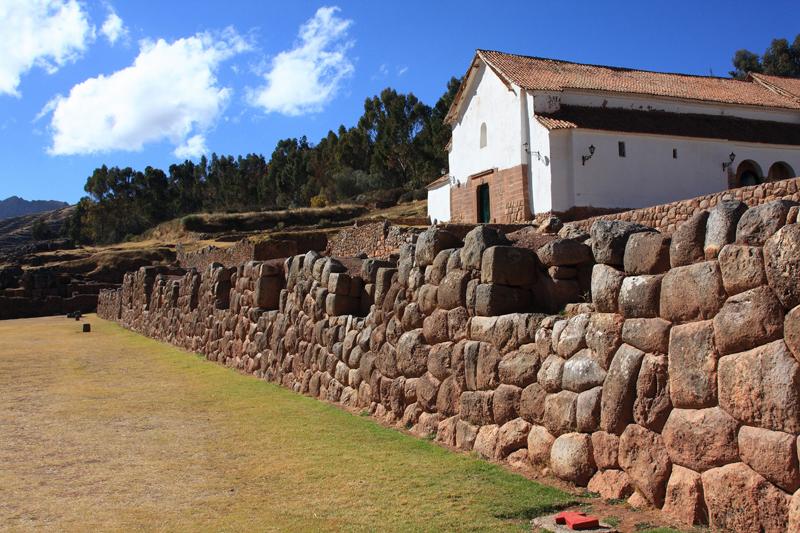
{"x": 572, "y": 337}
{"x": 587, "y": 410}
{"x": 794, "y": 512}
{"x": 742, "y": 268}
{"x": 648, "y": 334}
{"x": 609, "y": 238}
{"x": 439, "y": 360}
{"x": 519, "y": 368}
{"x": 773, "y": 454}
{"x": 564, "y": 252}
{"x": 427, "y": 298}
{"x": 531, "y": 404}
{"x": 478, "y": 240}
{"x": 747, "y": 320}
{"x": 466, "y": 434}
{"x": 721, "y": 226}
{"x": 582, "y": 372}
{"x": 540, "y": 441}
{"x": 571, "y": 458}
{"x": 434, "y": 327}
{"x": 446, "y": 432}
{"x": 738, "y": 499}
{"x": 452, "y": 290}
{"x": 604, "y": 336}
{"x": 693, "y": 365}
{"x": 267, "y": 292}
{"x": 513, "y": 436}
{"x": 508, "y": 265}
{"x": 432, "y": 241}
{"x": 611, "y": 484}
{"x": 652, "y": 405}
{"x": 457, "y": 323}
{"x": 492, "y": 299}
{"x": 605, "y": 447}
{"x": 619, "y": 389}
{"x": 791, "y": 331}
{"x": 643, "y": 456}
{"x": 782, "y": 264}
{"x": 427, "y": 391}
{"x": 549, "y": 376}
{"x": 448, "y": 399}
{"x": 701, "y": 438}
{"x": 684, "y": 498}
{"x": 412, "y": 354}
{"x": 486, "y": 442}
{"x": 476, "y": 407}
{"x": 486, "y": 376}
{"x": 606, "y": 284}
{"x": 759, "y": 223}
{"x": 647, "y": 253}
{"x": 693, "y": 292}
{"x": 560, "y": 411}
{"x": 761, "y": 387}
{"x": 639, "y": 296}
{"x": 505, "y": 404}
{"x": 688, "y": 241}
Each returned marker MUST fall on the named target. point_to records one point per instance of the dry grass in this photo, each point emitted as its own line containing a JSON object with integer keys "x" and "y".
{"x": 113, "y": 431}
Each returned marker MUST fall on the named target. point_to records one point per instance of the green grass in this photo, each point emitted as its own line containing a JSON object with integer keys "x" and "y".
{"x": 111, "y": 430}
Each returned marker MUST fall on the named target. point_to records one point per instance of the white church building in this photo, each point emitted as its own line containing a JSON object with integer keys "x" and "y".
{"x": 533, "y": 136}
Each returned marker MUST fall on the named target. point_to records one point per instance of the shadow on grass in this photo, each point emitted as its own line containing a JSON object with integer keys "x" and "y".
{"x": 529, "y": 513}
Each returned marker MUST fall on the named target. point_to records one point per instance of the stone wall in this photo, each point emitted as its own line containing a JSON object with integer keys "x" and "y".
{"x": 374, "y": 239}
{"x": 666, "y": 217}
{"x": 251, "y": 250}
{"x": 43, "y": 292}
{"x": 677, "y": 387}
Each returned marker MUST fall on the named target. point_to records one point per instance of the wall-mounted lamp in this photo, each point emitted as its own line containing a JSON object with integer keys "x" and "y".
{"x": 585, "y": 158}
{"x": 726, "y": 164}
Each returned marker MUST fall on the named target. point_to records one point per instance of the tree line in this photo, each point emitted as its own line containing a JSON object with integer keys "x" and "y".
{"x": 780, "y": 59}
{"x": 397, "y": 145}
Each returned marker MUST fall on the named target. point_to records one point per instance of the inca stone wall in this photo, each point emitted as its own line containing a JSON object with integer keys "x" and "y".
{"x": 251, "y": 250}
{"x": 373, "y": 239}
{"x": 677, "y": 385}
{"x": 44, "y": 292}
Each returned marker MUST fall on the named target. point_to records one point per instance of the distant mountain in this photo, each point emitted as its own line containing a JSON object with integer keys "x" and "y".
{"x": 16, "y": 206}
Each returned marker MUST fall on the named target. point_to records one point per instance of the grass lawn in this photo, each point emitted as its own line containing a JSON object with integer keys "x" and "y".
{"x": 113, "y": 431}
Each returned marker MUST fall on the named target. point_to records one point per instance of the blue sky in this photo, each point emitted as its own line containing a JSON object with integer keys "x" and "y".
{"x": 138, "y": 82}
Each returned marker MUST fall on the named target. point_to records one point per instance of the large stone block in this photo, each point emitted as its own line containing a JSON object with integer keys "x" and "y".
{"x": 782, "y": 264}
{"x": 519, "y": 368}
{"x": 684, "y": 498}
{"x": 606, "y": 284}
{"x": 572, "y": 337}
{"x": 478, "y": 240}
{"x": 550, "y": 373}
{"x": 564, "y": 252}
{"x": 747, "y": 320}
{"x": 688, "y": 241}
{"x": 647, "y": 253}
{"x": 639, "y": 296}
{"x": 412, "y": 354}
{"x": 531, "y": 404}
{"x": 540, "y": 441}
{"x": 267, "y": 293}
{"x": 492, "y": 299}
{"x": 427, "y": 391}
{"x": 761, "y": 387}
{"x": 738, "y": 499}
{"x": 742, "y": 268}
{"x": 587, "y": 410}
{"x": 466, "y": 434}
{"x": 652, "y": 405}
{"x": 452, "y": 291}
{"x": 513, "y": 436}
{"x": 791, "y": 331}
{"x": 701, "y": 439}
{"x": 721, "y": 226}
{"x": 434, "y": 327}
{"x": 604, "y": 336}
{"x": 560, "y": 412}
{"x": 773, "y": 454}
{"x": 448, "y": 399}
{"x": 693, "y": 365}
{"x": 609, "y": 238}
{"x": 571, "y": 458}
{"x": 648, "y": 334}
{"x": 644, "y": 458}
{"x": 605, "y": 448}
{"x": 582, "y": 372}
{"x": 505, "y": 404}
{"x": 476, "y": 407}
{"x": 692, "y": 292}
{"x": 508, "y": 265}
{"x": 759, "y": 223}
{"x": 619, "y": 389}
{"x": 432, "y": 241}
{"x": 611, "y": 484}
{"x": 486, "y": 442}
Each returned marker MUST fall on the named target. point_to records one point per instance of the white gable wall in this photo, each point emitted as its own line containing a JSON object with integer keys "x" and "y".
{"x": 487, "y": 100}
{"x": 439, "y": 203}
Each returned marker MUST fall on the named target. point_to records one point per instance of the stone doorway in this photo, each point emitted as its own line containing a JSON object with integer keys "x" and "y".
{"x": 484, "y": 204}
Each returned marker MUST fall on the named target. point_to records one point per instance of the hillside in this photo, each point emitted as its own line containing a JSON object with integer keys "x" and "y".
{"x": 15, "y": 206}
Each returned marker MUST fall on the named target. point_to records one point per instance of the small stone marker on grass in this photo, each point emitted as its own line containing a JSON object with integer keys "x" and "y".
{"x": 87, "y": 328}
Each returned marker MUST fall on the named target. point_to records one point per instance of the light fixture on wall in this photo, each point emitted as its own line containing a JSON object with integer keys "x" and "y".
{"x": 727, "y": 164}
{"x": 537, "y": 153}
{"x": 585, "y": 158}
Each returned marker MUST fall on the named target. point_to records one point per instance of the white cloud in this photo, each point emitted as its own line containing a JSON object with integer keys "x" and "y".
{"x": 307, "y": 77}
{"x": 402, "y": 70}
{"x": 170, "y": 92}
{"x": 113, "y": 28}
{"x": 40, "y": 33}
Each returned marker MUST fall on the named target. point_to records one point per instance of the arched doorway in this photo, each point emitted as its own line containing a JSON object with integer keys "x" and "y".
{"x": 748, "y": 173}
{"x": 780, "y": 171}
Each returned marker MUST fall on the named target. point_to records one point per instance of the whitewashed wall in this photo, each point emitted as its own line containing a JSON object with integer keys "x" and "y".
{"x": 439, "y": 203}
{"x": 488, "y": 100}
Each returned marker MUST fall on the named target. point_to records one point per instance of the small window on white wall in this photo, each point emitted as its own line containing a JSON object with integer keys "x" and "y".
{"x": 483, "y": 135}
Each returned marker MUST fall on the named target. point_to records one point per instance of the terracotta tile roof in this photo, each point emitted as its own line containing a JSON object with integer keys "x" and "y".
{"x": 785, "y": 86}
{"x": 674, "y": 124}
{"x": 540, "y": 74}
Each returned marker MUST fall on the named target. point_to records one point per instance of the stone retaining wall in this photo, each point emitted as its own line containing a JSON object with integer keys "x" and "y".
{"x": 251, "y": 250}
{"x": 677, "y": 387}
{"x": 374, "y": 239}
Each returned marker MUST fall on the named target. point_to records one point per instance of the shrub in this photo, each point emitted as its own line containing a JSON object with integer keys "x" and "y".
{"x": 319, "y": 201}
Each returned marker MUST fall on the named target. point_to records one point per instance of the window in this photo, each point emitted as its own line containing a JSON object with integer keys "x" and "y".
{"x": 483, "y": 135}
{"x": 621, "y": 149}
{"x": 674, "y": 153}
